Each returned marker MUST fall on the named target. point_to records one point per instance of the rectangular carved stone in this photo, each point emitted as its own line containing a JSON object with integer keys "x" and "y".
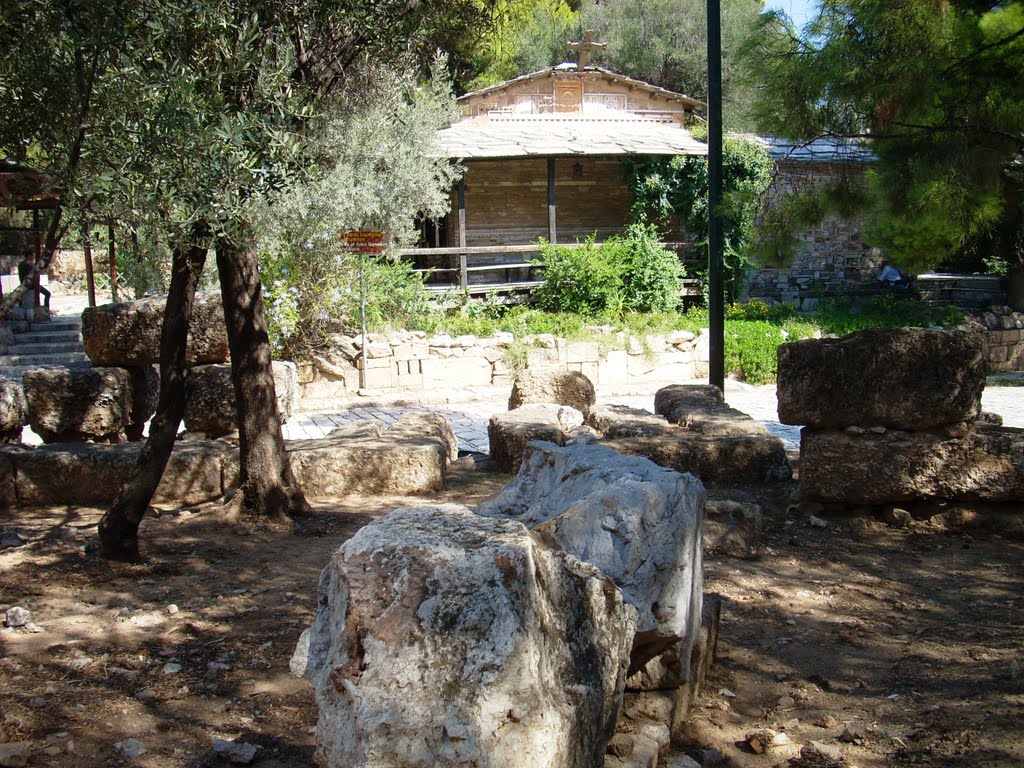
{"x": 741, "y": 458}
{"x": 86, "y": 473}
{"x": 901, "y": 378}
{"x": 987, "y": 464}
{"x": 342, "y": 466}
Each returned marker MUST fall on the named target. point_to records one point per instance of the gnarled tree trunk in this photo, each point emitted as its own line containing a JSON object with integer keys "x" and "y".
{"x": 268, "y": 489}
{"x": 119, "y": 527}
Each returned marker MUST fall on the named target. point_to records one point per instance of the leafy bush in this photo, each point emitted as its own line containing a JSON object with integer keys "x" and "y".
{"x": 840, "y": 316}
{"x": 755, "y": 309}
{"x": 751, "y": 347}
{"x": 624, "y": 274}
{"x": 582, "y": 280}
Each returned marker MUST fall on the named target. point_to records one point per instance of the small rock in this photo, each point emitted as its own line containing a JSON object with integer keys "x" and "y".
{"x": 853, "y": 734}
{"x": 146, "y": 694}
{"x": 1014, "y": 669}
{"x": 171, "y": 609}
{"x": 896, "y": 517}
{"x": 130, "y": 748}
{"x": 816, "y": 750}
{"x": 759, "y": 741}
{"x": 727, "y": 693}
{"x": 877, "y": 430}
{"x": 855, "y": 431}
{"x": 786, "y": 702}
{"x": 80, "y": 663}
{"x": 14, "y": 754}
{"x": 39, "y": 702}
{"x": 11, "y": 539}
{"x": 817, "y": 522}
{"x": 826, "y": 722}
{"x": 172, "y": 668}
{"x": 621, "y": 745}
{"x": 217, "y": 666}
{"x": 789, "y": 725}
{"x": 17, "y": 616}
{"x": 239, "y": 753}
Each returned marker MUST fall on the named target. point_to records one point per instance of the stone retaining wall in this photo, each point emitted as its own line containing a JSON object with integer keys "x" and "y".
{"x": 415, "y": 361}
{"x": 1004, "y": 348}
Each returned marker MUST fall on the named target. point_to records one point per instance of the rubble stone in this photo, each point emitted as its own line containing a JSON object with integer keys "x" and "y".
{"x": 13, "y": 410}
{"x": 78, "y": 403}
{"x": 426, "y": 643}
{"x": 553, "y": 386}
{"x": 210, "y": 397}
{"x": 508, "y": 433}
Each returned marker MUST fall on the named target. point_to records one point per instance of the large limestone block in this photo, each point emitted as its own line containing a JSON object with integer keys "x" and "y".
{"x": 78, "y": 473}
{"x": 676, "y": 399}
{"x": 641, "y": 524}
{"x": 447, "y": 639}
{"x": 339, "y": 466}
{"x": 902, "y": 378}
{"x": 128, "y": 333}
{"x": 622, "y": 421}
{"x": 986, "y": 464}
{"x": 78, "y": 403}
{"x": 13, "y": 410}
{"x": 508, "y": 433}
{"x": 553, "y": 386}
{"x": 420, "y": 424}
{"x": 210, "y": 397}
{"x": 741, "y": 458}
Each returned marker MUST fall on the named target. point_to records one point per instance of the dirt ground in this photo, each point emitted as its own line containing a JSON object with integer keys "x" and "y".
{"x": 910, "y": 639}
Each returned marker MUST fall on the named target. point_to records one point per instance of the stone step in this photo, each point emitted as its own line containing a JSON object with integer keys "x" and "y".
{"x": 42, "y": 336}
{"x": 58, "y": 348}
{"x": 21, "y": 361}
{"x": 62, "y": 325}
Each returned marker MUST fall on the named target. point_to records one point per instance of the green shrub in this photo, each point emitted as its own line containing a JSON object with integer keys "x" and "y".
{"x": 751, "y": 347}
{"x": 840, "y": 316}
{"x": 582, "y": 281}
{"x": 755, "y": 309}
{"x": 633, "y": 273}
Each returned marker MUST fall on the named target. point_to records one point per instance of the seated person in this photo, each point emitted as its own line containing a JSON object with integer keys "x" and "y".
{"x": 894, "y": 279}
{"x": 28, "y": 260}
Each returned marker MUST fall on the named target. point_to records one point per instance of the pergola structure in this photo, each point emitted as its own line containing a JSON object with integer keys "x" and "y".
{"x": 543, "y": 157}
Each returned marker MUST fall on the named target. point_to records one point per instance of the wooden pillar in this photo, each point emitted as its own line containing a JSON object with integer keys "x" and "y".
{"x": 463, "y": 274}
{"x": 90, "y": 278}
{"x": 552, "y": 228}
{"x": 113, "y": 261}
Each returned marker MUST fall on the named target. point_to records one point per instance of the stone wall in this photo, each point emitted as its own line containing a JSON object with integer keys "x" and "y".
{"x": 1004, "y": 348}
{"x": 831, "y": 259}
{"x": 415, "y": 361}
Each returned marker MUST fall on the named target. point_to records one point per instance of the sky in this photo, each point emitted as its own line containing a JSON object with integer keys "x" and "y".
{"x": 800, "y": 11}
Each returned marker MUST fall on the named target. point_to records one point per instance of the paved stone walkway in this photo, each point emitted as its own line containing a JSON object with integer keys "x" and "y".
{"x": 468, "y": 411}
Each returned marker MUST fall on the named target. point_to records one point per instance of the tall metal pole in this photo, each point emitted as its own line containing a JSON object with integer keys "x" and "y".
{"x": 716, "y": 293}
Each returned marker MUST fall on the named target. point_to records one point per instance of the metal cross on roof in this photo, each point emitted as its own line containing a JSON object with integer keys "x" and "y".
{"x": 585, "y": 48}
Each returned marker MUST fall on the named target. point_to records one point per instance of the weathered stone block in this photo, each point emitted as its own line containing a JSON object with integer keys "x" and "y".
{"x": 210, "y": 397}
{"x": 873, "y": 469}
{"x": 425, "y": 424}
{"x": 744, "y": 458}
{"x": 508, "y": 433}
{"x": 78, "y": 403}
{"x": 562, "y": 387}
{"x": 13, "y": 410}
{"x": 615, "y": 421}
{"x": 903, "y": 378}
{"x": 93, "y": 474}
{"x": 128, "y": 333}
{"x": 336, "y": 467}
{"x": 426, "y": 644}
{"x": 678, "y": 399}
{"x": 639, "y": 523}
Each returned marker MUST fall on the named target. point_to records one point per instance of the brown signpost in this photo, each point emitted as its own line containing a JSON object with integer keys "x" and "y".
{"x": 364, "y": 243}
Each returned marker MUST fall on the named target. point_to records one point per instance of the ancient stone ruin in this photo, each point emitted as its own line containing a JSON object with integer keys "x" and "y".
{"x": 512, "y": 636}
{"x": 693, "y": 429}
{"x": 891, "y": 415}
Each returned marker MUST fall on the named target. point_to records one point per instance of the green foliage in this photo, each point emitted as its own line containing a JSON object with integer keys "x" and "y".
{"x": 841, "y": 316}
{"x": 581, "y": 281}
{"x": 529, "y": 35}
{"x": 665, "y": 42}
{"x": 633, "y": 273}
{"x": 751, "y": 347}
{"x": 663, "y": 188}
{"x": 934, "y": 90}
{"x": 377, "y": 170}
{"x": 755, "y": 309}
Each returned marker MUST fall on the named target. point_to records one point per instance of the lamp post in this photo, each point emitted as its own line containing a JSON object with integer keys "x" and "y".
{"x": 716, "y": 293}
